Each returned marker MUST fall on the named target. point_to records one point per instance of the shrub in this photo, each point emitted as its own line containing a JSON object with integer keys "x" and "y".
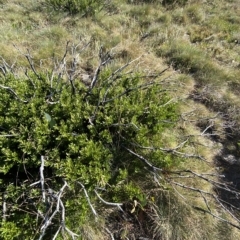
{"x": 93, "y": 136}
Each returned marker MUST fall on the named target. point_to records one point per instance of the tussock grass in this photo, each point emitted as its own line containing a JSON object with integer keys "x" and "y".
{"x": 170, "y": 219}
{"x": 193, "y": 60}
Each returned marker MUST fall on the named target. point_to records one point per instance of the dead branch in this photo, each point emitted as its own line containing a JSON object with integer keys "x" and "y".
{"x": 206, "y": 202}
{"x": 5, "y": 67}
{"x": 104, "y": 59}
{"x": 4, "y": 206}
{"x": 56, "y": 234}
{"x": 123, "y": 67}
{"x": 8, "y": 135}
{"x": 144, "y": 160}
{"x": 202, "y": 176}
{"x": 88, "y": 199}
{"x": 129, "y": 90}
{"x": 64, "y": 68}
{"x": 26, "y": 74}
{"x": 42, "y": 179}
{"x": 112, "y": 78}
{"x": 54, "y": 199}
{"x": 59, "y": 206}
{"x": 111, "y": 235}
{"x": 208, "y": 210}
{"x": 171, "y": 150}
{"x": 13, "y": 92}
{"x": 230, "y": 213}
{"x": 29, "y": 59}
{"x": 109, "y": 203}
{"x": 216, "y": 216}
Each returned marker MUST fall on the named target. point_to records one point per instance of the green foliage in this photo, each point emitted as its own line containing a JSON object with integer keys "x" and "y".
{"x": 86, "y": 7}
{"x": 84, "y": 137}
{"x": 9, "y": 230}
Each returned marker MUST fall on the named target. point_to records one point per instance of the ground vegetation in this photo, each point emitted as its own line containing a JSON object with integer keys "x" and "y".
{"x": 119, "y": 119}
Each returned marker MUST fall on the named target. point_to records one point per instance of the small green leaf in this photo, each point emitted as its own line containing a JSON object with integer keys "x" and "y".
{"x": 51, "y": 121}
{"x": 48, "y": 117}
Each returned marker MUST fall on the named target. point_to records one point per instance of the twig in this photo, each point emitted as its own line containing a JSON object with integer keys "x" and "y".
{"x": 215, "y": 183}
{"x": 35, "y": 183}
{"x": 111, "y": 235}
{"x": 123, "y": 67}
{"x": 14, "y": 93}
{"x": 42, "y": 179}
{"x": 8, "y": 135}
{"x": 202, "y": 192}
{"x": 153, "y": 168}
{"x": 159, "y": 148}
{"x": 178, "y": 192}
{"x": 171, "y": 150}
{"x": 4, "y": 205}
{"x": 191, "y": 188}
{"x": 88, "y": 199}
{"x": 129, "y": 90}
{"x": 111, "y": 77}
{"x": 6, "y": 68}
{"x": 215, "y": 216}
{"x": 109, "y": 203}
{"x": 234, "y": 217}
{"x": 203, "y": 132}
{"x": 104, "y": 59}
{"x": 56, "y": 234}
{"x": 48, "y": 221}
{"x": 206, "y": 202}
{"x": 30, "y": 60}
{"x": 73, "y": 235}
